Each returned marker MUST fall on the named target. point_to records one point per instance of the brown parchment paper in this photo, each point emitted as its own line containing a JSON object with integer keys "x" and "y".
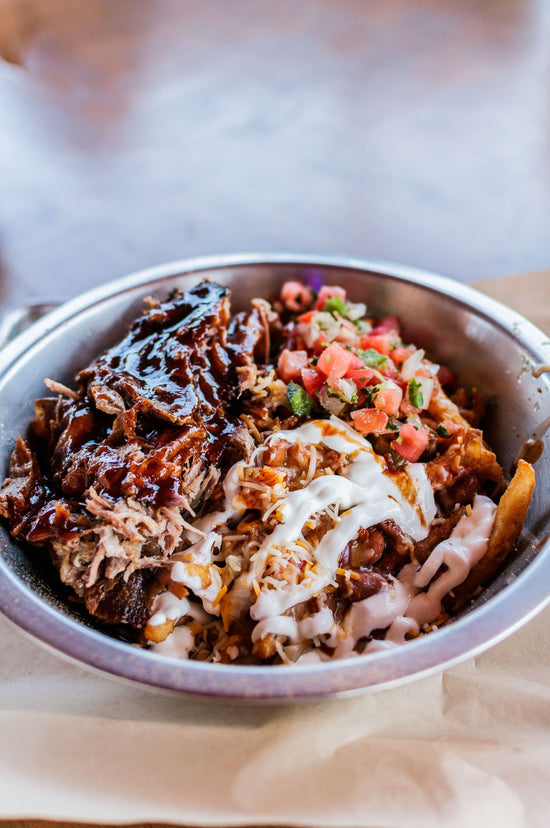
{"x": 468, "y": 747}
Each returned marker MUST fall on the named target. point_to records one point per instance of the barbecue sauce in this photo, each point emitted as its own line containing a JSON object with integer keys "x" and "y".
{"x": 155, "y": 423}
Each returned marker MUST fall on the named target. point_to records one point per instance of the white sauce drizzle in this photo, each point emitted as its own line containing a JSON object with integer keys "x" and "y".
{"x": 231, "y": 486}
{"x": 179, "y": 643}
{"x": 403, "y": 608}
{"x": 168, "y": 607}
{"x": 460, "y": 552}
{"x": 320, "y": 623}
{"x": 364, "y": 494}
{"x": 365, "y": 491}
{"x": 201, "y": 551}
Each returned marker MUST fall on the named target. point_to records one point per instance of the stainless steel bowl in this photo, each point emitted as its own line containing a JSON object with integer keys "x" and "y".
{"x": 490, "y": 346}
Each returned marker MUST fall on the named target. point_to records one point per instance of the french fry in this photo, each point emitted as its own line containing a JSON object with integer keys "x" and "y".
{"x": 442, "y": 408}
{"x": 509, "y": 519}
{"x": 178, "y": 589}
{"x": 469, "y": 453}
{"x": 155, "y": 633}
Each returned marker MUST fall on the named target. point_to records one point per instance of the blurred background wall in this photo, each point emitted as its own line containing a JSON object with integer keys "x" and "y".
{"x": 134, "y": 132}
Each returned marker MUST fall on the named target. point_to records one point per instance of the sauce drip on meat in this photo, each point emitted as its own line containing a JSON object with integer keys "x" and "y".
{"x": 165, "y": 366}
{"x": 111, "y": 470}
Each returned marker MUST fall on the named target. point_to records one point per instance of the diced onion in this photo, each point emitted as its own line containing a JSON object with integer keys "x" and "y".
{"x": 412, "y": 364}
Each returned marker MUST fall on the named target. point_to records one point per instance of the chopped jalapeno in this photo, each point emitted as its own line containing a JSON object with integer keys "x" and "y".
{"x": 335, "y": 304}
{"x": 300, "y": 401}
{"x": 416, "y": 397}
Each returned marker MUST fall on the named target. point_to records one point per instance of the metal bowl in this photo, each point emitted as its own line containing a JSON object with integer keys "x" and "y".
{"x": 490, "y": 346}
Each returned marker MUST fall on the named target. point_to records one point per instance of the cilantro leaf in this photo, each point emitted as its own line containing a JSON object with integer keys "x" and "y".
{"x": 371, "y": 358}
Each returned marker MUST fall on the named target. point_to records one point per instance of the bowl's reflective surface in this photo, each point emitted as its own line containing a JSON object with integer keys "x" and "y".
{"x": 489, "y": 346}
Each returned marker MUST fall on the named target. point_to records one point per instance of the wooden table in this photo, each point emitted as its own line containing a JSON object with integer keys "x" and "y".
{"x": 139, "y": 131}
{"x": 37, "y": 823}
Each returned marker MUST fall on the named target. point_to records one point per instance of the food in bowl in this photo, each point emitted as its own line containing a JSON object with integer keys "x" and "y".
{"x": 288, "y": 484}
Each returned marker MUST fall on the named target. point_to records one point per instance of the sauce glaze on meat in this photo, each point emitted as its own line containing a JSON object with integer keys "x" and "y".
{"x": 105, "y": 475}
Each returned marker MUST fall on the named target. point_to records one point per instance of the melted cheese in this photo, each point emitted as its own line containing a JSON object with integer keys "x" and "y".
{"x": 363, "y": 495}
{"x": 320, "y": 623}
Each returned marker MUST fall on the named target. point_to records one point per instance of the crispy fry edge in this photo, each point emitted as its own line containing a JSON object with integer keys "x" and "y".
{"x": 443, "y": 408}
{"x": 509, "y": 518}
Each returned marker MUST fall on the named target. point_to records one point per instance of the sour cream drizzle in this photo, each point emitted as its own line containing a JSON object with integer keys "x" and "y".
{"x": 364, "y": 494}
{"x": 170, "y": 608}
{"x": 403, "y": 608}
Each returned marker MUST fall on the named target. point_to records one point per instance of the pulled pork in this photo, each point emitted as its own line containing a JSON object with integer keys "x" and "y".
{"x": 110, "y": 472}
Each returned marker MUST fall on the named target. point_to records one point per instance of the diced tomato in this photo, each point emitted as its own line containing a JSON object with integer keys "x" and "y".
{"x": 296, "y": 296}
{"x": 411, "y": 442}
{"x": 326, "y": 292}
{"x": 388, "y": 369}
{"x": 445, "y": 376}
{"x": 348, "y": 336}
{"x": 407, "y": 407}
{"x": 388, "y": 399}
{"x": 401, "y": 354}
{"x": 319, "y": 344}
{"x": 313, "y": 380}
{"x": 307, "y": 316}
{"x": 355, "y": 362}
{"x": 299, "y": 344}
{"x": 380, "y": 343}
{"x": 290, "y": 364}
{"x": 387, "y": 324}
{"x": 449, "y": 427}
{"x": 361, "y": 376}
{"x": 335, "y": 361}
{"x": 369, "y": 420}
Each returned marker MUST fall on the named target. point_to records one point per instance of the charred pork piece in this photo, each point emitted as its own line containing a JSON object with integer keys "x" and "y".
{"x": 109, "y": 474}
{"x": 169, "y": 365}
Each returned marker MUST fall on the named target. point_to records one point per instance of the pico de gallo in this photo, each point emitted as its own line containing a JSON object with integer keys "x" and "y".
{"x": 339, "y": 361}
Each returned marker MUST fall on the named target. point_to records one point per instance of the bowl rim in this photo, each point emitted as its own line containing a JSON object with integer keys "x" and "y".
{"x": 466, "y": 637}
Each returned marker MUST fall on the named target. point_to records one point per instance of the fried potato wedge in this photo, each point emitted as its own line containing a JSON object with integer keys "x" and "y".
{"x": 442, "y": 408}
{"x": 156, "y": 633}
{"x": 468, "y": 453}
{"x": 509, "y": 519}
